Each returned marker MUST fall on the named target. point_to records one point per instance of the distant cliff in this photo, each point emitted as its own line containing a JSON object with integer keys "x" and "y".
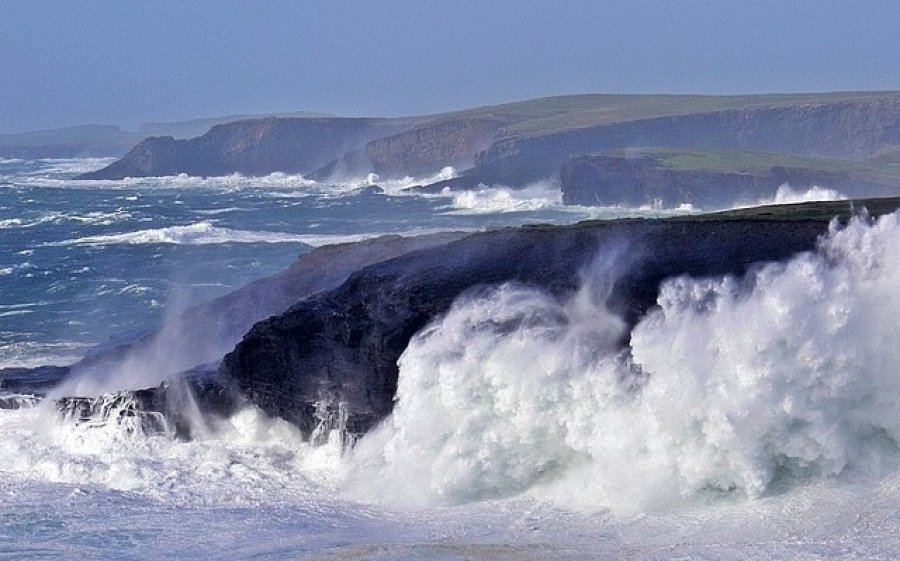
{"x": 251, "y": 147}
{"x": 854, "y": 129}
{"x": 711, "y": 179}
{"x": 518, "y": 143}
{"x": 427, "y": 148}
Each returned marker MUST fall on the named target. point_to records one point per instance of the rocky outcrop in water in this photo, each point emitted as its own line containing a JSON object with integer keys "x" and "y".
{"x": 341, "y": 347}
{"x": 330, "y": 359}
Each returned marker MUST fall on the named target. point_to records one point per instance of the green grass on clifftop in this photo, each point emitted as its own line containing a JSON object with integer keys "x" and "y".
{"x": 561, "y": 113}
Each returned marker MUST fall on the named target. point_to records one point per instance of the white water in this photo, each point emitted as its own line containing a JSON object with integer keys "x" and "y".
{"x": 205, "y": 233}
{"x": 199, "y": 233}
{"x": 503, "y": 199}
{"x": 737, "y": 386}
{"x": 785, "y": 194}
{"x": 245, "y": 460}
{"x": 503, "y": 487}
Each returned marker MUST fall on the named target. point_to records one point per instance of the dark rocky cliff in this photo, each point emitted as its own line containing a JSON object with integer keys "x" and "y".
{"x": 251, "y": 147}
{"x": 342, "y": 346}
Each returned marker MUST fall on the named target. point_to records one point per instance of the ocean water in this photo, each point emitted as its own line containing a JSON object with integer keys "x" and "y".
{"x": 752, "y": 419}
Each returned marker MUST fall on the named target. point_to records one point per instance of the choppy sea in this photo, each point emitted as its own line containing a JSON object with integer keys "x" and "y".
{"x": 765, "y": 427}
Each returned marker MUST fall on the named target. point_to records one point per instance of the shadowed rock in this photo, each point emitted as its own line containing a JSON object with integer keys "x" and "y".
{"x": 341, "y": 347}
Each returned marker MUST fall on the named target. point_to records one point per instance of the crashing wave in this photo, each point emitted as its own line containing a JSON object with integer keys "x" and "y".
{"x": 729, "y": 385}
{"x": 132, "y": 412}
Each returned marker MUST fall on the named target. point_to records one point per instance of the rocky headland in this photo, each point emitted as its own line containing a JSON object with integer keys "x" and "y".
{"x": 576, "y": 140}
{"x": 251, "y": 147}
{"x": 342, "y": 346}
{"x": 324, "y": 336}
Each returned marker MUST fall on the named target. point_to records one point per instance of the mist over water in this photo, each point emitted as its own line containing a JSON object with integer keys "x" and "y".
{"x": 730, "y": 385}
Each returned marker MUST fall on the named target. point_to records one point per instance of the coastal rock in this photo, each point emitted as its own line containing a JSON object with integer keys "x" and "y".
{"x": 340, "y": 348}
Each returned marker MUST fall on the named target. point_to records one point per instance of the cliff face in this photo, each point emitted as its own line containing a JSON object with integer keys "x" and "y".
{"x": 845, "y": 129}
{"x": 634, "y": 181}
{"x": 517, "y": 143}
{"x": 428, "y": 148}
{"x": 251, "y": 147}
{"x": 341, "y": 347}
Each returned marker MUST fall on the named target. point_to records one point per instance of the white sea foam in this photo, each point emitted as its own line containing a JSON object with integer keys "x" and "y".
{"x": 215, "y": 211}
{"x": 71, "y": 165}
{"x": 734, "y": 385}
{"x": 280, "y": 184}
{"x": 12, "y": 269}
{"x": 31, "y": 354}
{"x": 205, "y": 232}
{"x": 498, "y": 199}
{"x": 86, "y": 218}
{"x": 396, "y": 186}
{"x": 199, "y": 233}
{"x": 10, "y": 223}
{"x": 243, "y": 460}
{"x": 785, "y": 194}
{"x": 278, "y": 181}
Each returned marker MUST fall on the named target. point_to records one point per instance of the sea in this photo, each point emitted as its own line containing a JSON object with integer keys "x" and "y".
{"x": 764, "y": 423}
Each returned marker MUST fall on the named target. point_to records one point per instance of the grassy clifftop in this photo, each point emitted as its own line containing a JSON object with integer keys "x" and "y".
{"x": 515, "y": 143}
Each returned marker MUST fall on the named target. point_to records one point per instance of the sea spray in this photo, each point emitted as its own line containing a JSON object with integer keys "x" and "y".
{"x": 729, "y": 385}
{"x": 497, "y": 198}
{"x": 107, "y": 443}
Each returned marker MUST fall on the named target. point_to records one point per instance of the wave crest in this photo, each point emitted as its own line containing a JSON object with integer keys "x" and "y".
{"x": 200, "y": 233}
{"x": 730, "y": 385}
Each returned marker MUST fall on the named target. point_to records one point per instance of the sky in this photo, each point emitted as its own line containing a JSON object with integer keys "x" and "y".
{"x": 66, "y": 63}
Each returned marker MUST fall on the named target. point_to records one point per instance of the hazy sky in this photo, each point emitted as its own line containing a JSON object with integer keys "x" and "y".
{"x": 126, "y": 62}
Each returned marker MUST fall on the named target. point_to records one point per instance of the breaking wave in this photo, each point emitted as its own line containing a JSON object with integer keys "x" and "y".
{"x": 200, "y": 233}
{"x": 248, "y": 459}
{"x": 785, "y": 195}
{"x": 278, "y": 183}
{"x": 205, "y": 232}
{"x": 485, "y": 200}
{"x": 95, "y": 218}
{"x": 730, "y": 385}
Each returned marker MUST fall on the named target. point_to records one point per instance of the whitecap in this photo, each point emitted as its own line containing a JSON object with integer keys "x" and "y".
{"x": 200, "y": 233}
{"x": 730, "y": 386}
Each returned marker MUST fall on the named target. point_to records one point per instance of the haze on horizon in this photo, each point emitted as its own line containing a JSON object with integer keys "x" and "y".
{"x": 68, "y": 63}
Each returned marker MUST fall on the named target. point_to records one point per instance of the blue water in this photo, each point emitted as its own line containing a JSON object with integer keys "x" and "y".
{"x": 83, "y": 263}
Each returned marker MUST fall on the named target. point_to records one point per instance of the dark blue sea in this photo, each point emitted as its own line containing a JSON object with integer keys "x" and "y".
{"x": 764, "y": 422}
